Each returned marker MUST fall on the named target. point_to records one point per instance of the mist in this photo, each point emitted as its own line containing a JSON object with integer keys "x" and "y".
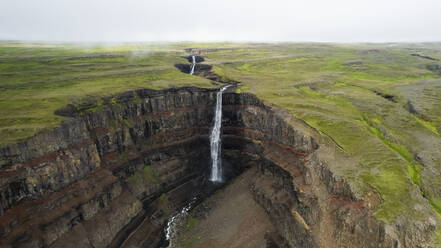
{"x": 227, "y": 20}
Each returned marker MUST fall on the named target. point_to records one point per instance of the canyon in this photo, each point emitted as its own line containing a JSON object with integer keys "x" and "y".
{"x": 119, "y": 170}
{"x": 112, "y": 174}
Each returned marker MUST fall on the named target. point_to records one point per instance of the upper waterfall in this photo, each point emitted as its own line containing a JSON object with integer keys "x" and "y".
{"x": 193, "y": 64}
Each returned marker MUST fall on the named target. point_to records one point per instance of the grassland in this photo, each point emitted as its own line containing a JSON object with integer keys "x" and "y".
{"x": 341, "y": 91}
{"x": 37, "y": 79}
{"x": 357, "y": 94}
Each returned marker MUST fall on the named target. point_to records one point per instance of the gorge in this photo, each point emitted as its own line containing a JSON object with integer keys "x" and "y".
{"x": 114, "y": 173}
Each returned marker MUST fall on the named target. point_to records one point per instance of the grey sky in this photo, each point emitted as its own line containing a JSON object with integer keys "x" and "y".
{"x": 221, "y": 20}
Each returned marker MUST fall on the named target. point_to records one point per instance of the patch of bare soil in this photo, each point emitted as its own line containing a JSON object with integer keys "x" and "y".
{"x": 229, "y": 218}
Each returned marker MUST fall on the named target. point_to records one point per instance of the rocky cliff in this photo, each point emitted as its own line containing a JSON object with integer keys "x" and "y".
{"x": 115, "y": 171}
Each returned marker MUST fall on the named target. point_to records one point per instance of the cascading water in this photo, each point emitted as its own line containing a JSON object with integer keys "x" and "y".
{"x": 193, "y": 64}
{"x": 216, "y": 171}
{"x": 215, "y": 140}
{"x": 174, "y": 222}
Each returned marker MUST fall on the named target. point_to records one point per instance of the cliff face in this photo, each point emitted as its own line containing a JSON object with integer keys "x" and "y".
{"x": 91, "y": 181}
{"x": 308, "y": 206}
{"x": 112, "y": 175}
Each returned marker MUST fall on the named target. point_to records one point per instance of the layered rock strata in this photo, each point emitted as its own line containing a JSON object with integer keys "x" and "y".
{"x": 114, "y": 172}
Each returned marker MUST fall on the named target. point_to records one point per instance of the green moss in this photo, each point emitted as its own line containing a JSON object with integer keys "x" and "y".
{"x": 189, "y": 237}
{"x": 396, "y": 147}
{"x": 391, "y": 182}
{"x": 309, "y": 92}
{"x": 335, "y": 64}
{"x": 136, "y": 98}
{"x": 341, "y": 84}
{"x": 414, "y": 171}
{"x": 127, "y": 122}
{"x": 436, "y": 204}
{"x": 244, "y": 67}
{"x": 98, "y": 106}
{"x": 135, "y": 178}
{"x": 376, "y": 120}
{"x": 150, "y": 175}
{"x": 427, "y": 124}
{"x": 163, "y": 203}
{"x": 437, "y": 238}
{"x": 146, "y": 175}
{"x": 192, "y": 221}
{"x": 391, "y": 179}
{"x": 100, "y": 103}
{"x": 413, "y": 168}
{"x": 243, "y": 88}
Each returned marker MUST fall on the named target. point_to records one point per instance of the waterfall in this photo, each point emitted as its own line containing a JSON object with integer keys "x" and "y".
{"x": 215, "y": 140}
{"x": 193, "y": 64}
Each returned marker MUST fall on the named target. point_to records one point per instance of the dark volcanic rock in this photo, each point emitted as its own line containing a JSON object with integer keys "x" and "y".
{"x": 111, "y": 175}
{"x": 198, "y": 69}
{"x": 423, "y": 56}
{"x": 198, "y": 59}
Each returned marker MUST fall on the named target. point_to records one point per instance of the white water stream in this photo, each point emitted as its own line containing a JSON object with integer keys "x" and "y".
{"x": 215, "y": 140}
{"x": 174, "y": 222}
{"x": 193, "y": 64}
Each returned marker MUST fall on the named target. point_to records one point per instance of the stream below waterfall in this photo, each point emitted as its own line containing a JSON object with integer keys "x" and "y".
{"x": 177, "y": 220}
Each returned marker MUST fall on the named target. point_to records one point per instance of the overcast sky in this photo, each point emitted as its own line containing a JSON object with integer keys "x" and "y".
{"x": 220, "y": 20}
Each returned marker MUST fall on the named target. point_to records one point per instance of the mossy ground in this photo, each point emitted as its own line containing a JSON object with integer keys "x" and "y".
{"x": 37, "y": 79}
{"x": 338, "y": 89}
{"x": 335, "y": 89}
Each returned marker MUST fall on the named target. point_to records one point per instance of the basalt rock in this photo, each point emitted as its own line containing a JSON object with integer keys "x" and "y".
{"x": 197, "y": 58}
{"x": 199, "y": 69}
{"x": 113, "y": 173}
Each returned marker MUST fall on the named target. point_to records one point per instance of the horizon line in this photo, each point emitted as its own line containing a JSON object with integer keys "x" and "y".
{"x": 211, "y": 41}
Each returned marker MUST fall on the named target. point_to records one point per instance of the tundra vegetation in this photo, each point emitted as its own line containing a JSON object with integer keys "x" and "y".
{"x": 380, "y": 103}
